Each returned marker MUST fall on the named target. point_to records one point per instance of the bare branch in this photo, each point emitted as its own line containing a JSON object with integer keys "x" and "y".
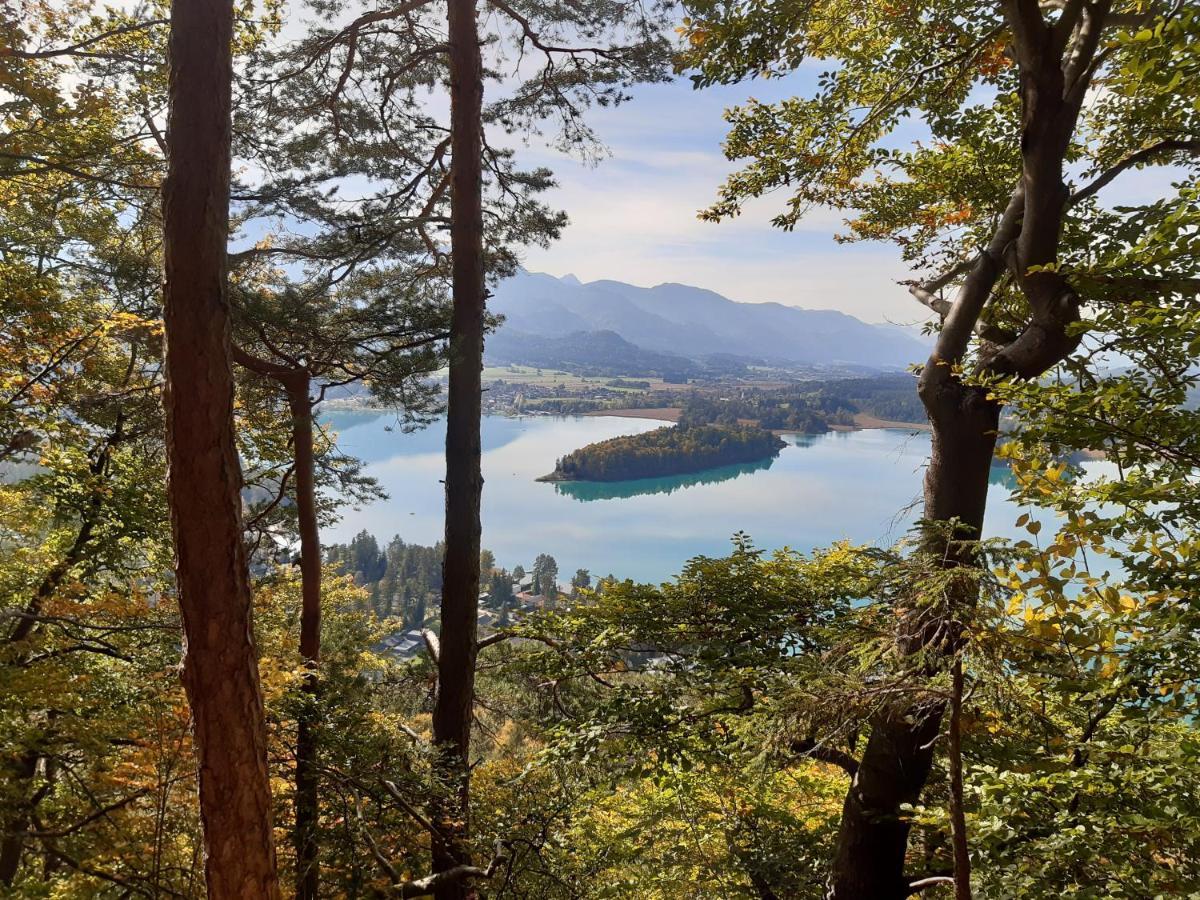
{"x": 423, "y": 887}
{"x": 421, "y": 819}
{"x": 915, "y": 887}
{"x": 364, "y": 829}
{"x": 496, "y": 638}
{"x": 431, "y": 644}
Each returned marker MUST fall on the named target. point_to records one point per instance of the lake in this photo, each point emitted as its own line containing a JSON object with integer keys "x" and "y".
{"x": 862, "y": 486}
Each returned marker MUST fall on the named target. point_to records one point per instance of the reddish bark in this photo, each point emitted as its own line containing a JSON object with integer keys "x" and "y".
{"x": 220, "y": 664}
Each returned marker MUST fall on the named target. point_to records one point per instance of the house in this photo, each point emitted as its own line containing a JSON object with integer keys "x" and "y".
{"x": 528, "y": 600}
{"x": 401, "y": 645}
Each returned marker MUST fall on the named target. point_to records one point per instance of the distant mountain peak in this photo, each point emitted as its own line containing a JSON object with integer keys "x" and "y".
{"x": 694, "y": 322}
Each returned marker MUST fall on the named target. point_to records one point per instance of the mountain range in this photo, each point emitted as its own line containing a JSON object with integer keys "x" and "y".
{"x": 551, "y": 321}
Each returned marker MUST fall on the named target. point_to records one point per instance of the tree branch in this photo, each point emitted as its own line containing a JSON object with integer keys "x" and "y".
{"x": 423, "y": 887}
{"x": 431, "y": 644}
{"x": 73, "y": 49}
{"x": 915, "y": 887}
{"x": 1134, "y": 159}
{"x": 833, "y": 756}
{"x": 963, "y": 316}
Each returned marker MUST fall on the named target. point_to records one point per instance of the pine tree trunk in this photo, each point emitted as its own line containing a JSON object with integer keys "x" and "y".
{"x": 220, "y": 663}
{"x": 453, "y": 705}
{"x": 307, "y": 785}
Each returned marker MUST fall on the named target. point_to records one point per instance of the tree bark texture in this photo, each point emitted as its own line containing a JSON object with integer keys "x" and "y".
{"x": 220, "y": 664}
{"x": 453, "y": 705}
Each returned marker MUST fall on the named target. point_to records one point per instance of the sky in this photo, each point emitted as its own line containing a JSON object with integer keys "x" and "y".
{"x": 633, "y": 216}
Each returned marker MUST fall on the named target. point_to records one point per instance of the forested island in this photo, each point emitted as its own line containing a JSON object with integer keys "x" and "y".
{"x": 666, "y": 451}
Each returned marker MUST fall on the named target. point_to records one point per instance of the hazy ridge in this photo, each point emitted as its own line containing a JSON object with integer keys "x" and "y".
{"x": 686, "y": 322}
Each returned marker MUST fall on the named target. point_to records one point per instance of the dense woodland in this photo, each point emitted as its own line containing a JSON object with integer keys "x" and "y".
{"x": 666, "y": 451}
{"x": 785, "y": 412}
{"x": 401, "y": 580}
{"x": 209, "y": 221}
{"x": 888, "y": 397}
{"x": 804, "y": 406}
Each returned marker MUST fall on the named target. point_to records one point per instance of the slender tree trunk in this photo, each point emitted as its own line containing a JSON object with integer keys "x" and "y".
{"x": 958, "y": 815}
{"x": 453, "y": 705}
{"x": 307, "y": 786}
{"x": 220, "y": 663}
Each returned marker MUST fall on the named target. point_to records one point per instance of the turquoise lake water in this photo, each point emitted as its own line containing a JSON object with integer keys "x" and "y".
{"x": 864, "y": 486}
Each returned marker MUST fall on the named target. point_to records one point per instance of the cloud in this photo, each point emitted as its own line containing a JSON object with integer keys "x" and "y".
{"x": 634, "y": 216}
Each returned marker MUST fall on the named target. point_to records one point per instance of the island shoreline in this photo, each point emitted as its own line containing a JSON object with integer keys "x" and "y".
{"x": 682, "y": 450}
{"x": 862, "y": 422}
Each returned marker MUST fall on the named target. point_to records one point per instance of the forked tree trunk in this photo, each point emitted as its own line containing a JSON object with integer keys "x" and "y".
{"x": 453, "y": 705}
{"x": 220, "y": 663}
{"x": 1056, "y": 64}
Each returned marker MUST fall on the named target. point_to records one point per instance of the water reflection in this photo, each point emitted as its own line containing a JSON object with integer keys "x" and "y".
{"x": 859, "y": 486}
{"x": 586, "y": 491}
{"x": 1001, "y": 474}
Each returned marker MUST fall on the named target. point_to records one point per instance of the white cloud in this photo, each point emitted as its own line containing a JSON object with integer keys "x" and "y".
{"x": 634, "y": 218}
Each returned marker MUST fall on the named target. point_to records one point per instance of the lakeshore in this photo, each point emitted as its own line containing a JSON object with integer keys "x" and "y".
{"x": 862, "y": 421}
{"x": 859, "y": 486}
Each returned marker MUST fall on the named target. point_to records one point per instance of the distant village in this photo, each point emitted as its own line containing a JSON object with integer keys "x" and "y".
{"x": 493, "y": 613}
{"x": 505, "y": 397}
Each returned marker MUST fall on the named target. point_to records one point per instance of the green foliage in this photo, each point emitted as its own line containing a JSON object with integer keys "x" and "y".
{"x": 777, "y": 410}
{"x": 403, "y": 580}
{"x": 545, "y": 576}
{"x": 666, "y": 451}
